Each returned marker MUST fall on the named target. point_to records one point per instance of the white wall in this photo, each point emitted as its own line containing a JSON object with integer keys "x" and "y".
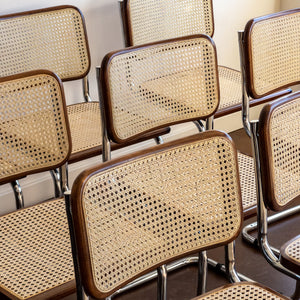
{"x": 105, "y": 34}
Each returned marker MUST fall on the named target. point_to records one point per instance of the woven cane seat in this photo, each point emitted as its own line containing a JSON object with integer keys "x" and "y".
{"x": 290, "y": 254}
{"x": 155, "y": 206}
{"x": 33, "y": 131}
{"x": 272, "y": 48}
{"x": 35, "y": 252}
{"x": 243, "y": 290}
{"x": 139, "y": 91}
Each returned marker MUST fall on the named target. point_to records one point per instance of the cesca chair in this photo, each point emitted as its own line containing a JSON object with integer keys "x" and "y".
{"x": 270, "y": 63}
{"x": 55, "y": 39}
{"x": 155, "y": 20}
{"x": 137, "y": 213}
{"x": 35, "y": 249}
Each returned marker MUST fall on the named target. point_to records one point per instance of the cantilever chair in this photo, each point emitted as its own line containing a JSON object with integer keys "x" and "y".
{"x": 154, "y": 20}
{"x": 137, "y": 213}
{"x": 271, "y": 62}
{"x": 55, "y": 39}
{"x": 35, "y": 250}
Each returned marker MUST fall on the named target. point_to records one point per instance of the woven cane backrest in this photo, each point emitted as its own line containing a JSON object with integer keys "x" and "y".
{"x": 272, "y": 49}
{"x": 52, "y": 39}
{"x": 146, "y": 209}
{"x": 149, "y": 87}
{"x": 280, "y": 150}
{"x": 34, "y": 134}
{"x": 155, "y": 20}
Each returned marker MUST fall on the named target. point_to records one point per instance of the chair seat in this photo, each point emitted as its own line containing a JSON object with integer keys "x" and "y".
{"x": 35, "y": 252}
{"x": 248, "y": 184}
{"x": 290, "y": 254}
{"x": 242, "y": 290}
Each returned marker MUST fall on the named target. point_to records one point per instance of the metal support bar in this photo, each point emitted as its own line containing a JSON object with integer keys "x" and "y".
{"x": 162, "y": 283}
{"x": 86, "y": 89}
{"x": 55, "y": 174}
{"x": 64, "y": 180}
{"x": 230, "y": 263}
{"x": 209, "y": 125}
{"x": 199, "y": 125}
{"x": 18, "y": 194}
{"x": 202, "y": 273}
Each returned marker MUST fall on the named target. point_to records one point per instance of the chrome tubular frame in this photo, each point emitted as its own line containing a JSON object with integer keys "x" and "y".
{"x": 162, "y": 283}
{"x": 18, "y": 194}
{"x": 230, "y": 262}
{"x": 56, "y": 181}
{"x": 202, "y": 273}
{"x": 64, "y": 178}
{"x": 262, "y": 212}
{"x": 86, "y": 89}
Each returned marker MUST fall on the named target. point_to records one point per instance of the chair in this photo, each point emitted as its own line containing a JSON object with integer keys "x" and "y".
{"x": 55, "y": 38}
{"x": 35, "y": 250}
{"x": 269, "y": 63}
{"x": 137, "y": 213}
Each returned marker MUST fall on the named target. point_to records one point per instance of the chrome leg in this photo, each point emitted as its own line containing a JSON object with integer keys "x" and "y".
{"x": 199, "y": 125}
{"x": 202, "y": 273}
{"x": 18, "y": 194}
{"x": 162, "y": 283}
{"x": 64, "y": 182}
{"x": 159, "y": 140}
{"x": 56, "y": 180}
{"x": 230, "y": 263}
{"x": 209, "y": 125}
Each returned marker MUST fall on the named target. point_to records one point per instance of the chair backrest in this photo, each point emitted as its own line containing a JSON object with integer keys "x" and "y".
{"x": 271, "y": 50}
{"x": 157, "y": 85}
{"x": 155, "y": 20}
{"x": 138, "y": 212}
{"x": 34, "y": 131}
{"x": 279, "y": 147}
{"x": 52, "y": 39}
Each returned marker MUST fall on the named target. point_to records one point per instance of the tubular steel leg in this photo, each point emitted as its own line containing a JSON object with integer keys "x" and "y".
{"x": 56, "y": 181}
{"x": 199, "y": 125}
{"x": 159, "y": 140}
{"x": 202, "y": 273}
{"x": 230, "y": 263}
{"x": 18, "y": 194}
{"x": 162, "y": 283}
{"x": 64, "y": 182}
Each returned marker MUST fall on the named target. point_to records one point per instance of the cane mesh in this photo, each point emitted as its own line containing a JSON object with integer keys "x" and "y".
{"x": 52, "y": 40}
{"x": 85, "y": 125}
{"x": 230, "y": 87}
{"x": 284, "y": 133}
{"x": 241, "y": 291}
{"x": 275, "y": 48}
{"x": 247, "y": 180}
{"x": 33, "y": 130}
{"x": 155, "y": 20}
{"x": 162, "y": 84}
{"x": 155, "y": 208}
{"x": 292, "y": 251}
{"x": 35, "y": 250}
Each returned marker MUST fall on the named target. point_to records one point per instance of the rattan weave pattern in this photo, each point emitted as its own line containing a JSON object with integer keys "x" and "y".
{"x": 142, "y": 85}
{"x": 275, "y": 49}
{"x": 293, "y": 250}
{"x": 35, "y": 250}
{"x": 285, "y": 150}
{"x": 52, "y": 40}
{"x": 33, "y": 130}
{"x": 85, "y": 125}
{"x": 154, "y": 208}
{"x": 230, "y": 87}
{"x": 241, "y": 291}
{"x": 247, "y": 180}
{"x": 156, "y": 20}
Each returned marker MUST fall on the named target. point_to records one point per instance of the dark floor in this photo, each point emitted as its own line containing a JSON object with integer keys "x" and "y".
{"x": 182, "y": 283}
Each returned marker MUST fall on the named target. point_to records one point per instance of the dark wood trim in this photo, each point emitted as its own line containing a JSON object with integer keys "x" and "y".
{"x": 265, "y": 151}
{"x": 248, "y": 54}
{"x": 105, "y": 91}
{"x": 286, "y": 261}
{"x": 54, "y": 8}
{"x": 24, "y": 75}
{"x": 78, "y": 215}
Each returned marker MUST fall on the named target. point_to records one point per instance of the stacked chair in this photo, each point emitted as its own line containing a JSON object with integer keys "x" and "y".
{"x": 55, "y": 39}
{"x": 135, "y": 214}
{"x": 35, "y": 250}
{"x": 270, "y": 61}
